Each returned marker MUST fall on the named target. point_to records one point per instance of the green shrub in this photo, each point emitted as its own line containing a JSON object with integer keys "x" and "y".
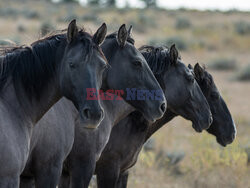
{"x": 182, "y": 23}
{"x": 29, "y": 14}
{"x": 142, "y": 22}
{"x": 156, "y": 41}
{"x": 68, "y": 18}
{"x": 46, "y": 27}
{"x": 16, "y": 40}
{"x": 242, "y": 27}
{"x": 90, "y": 17}
{"x": 146, "y": 20}
{"x": 21, "y": 28}
{"x": 8, "y": 12}
{"x": 223, "y": 64}
{"x": 208, "y": 155}
{"x": 6, "y": 42}
{"x": 180, "y": 43}
{"x": 244, "y": 74}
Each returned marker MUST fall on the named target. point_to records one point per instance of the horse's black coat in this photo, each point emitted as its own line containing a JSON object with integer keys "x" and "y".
{"x": 34, "y": 78}
{"x": 54, "y": 136}
{"x": 129, "y": 135}
{"x": 123, "y": 73}
{"x": 33, "y": 66}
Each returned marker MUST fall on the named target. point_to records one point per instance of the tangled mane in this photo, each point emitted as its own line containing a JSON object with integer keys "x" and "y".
{"x": 158, "y": 58}
{"x": 34, "y": 66}
{"x": 206, "y": 82}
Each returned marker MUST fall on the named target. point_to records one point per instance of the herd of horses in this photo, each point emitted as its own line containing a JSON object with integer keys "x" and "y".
{"x": 50, "y": 135}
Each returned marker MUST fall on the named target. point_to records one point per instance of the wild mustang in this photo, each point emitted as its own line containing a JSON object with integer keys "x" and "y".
{"x": 34, "y": 78}
{"x": 128, "y": 70}
{"x": 178, "y": 73}
{"x": 223, "y": 127}
{"x": 115, "y": 161}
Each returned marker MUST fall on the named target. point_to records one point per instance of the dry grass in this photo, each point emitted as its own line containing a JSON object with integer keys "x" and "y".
{"x": 211, "y": 35}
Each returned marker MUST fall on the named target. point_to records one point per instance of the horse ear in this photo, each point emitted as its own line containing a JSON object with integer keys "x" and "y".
{"x": 198, "y": 71}
{"x": 130, "y": 31}
{"x": 122, "y": 35}
{"x": 190, "y": 67}
{"x": 100, "y": 34}
{"x": 72, "y": 31}
{"x": 173, "y": 54}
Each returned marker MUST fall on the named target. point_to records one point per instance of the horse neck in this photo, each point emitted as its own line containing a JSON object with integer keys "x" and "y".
{"x": 31, "y": 107}
{"x": 117, "y": 110}
{"x": 168, "y": 116}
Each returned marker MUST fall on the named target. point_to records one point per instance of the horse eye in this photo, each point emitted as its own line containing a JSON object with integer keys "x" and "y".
{"x": 137, "y": 63}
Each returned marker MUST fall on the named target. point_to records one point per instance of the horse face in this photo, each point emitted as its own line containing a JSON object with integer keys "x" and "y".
{"x": 129, "y": 72}
{"x": 82, "y": 69}
{"x": 223, "y": 126}
{"x": 184, "y": 95}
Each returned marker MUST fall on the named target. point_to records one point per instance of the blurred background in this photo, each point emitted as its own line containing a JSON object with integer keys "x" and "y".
{"x": 213, "y": 33}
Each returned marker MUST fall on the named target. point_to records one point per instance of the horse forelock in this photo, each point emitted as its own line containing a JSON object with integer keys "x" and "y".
{"x": 89, "y": 45}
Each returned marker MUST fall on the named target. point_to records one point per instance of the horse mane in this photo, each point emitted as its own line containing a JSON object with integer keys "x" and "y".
{"x": 207, "y": 81}
{"x": 157, "y": 58}
{"x": 33, "y": 66}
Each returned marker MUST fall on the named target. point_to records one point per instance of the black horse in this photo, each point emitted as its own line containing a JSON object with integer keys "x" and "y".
{"x": 129, "y": 135}
{"x": 54, "y": 136}
{"x": 32, "y": 79}
{"x": 223, "y": 127}
{"x": 84, "y": 154}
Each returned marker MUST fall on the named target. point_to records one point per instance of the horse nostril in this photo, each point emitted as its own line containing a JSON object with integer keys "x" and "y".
{"x": 86, "y": 113}
{"x": 163, "y": 107}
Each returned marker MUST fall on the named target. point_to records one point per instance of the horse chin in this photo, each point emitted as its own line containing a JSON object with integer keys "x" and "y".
{"x": 197, "y": 127}
{"x": 221, "y": 142}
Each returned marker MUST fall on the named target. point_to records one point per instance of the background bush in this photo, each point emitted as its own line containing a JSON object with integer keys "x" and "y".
{"x": 182, "y": 23}
{"x": 242, "y": 27}
{"x": 223, "y": 64}
{"x": 244, "y": 74}
{"x": 46, "y": 27}
{"x": 180, "y": 43}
